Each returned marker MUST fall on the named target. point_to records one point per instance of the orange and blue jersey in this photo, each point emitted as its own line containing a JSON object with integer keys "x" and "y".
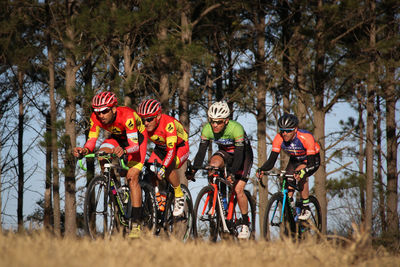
{"x": 302, "y": 145}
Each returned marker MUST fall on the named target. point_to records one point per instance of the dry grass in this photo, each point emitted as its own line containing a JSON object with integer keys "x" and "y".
{"x": 41, "y": 249}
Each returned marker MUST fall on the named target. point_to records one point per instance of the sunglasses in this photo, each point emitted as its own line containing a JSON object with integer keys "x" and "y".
{"x": 150, "y": 119}
{"x": 286, "y": 130}
{"x": 103, "y": 111}
{"x": 219, "y": 122}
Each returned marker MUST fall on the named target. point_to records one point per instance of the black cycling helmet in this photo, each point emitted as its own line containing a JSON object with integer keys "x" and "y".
{"x": 288, "y": 121}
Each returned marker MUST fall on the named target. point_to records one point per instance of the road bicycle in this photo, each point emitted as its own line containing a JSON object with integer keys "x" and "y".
{"x": 107, "y": 205}
{"x": 281, "y": 219}
{"x": 182, "y": 227}
{"x": 217, "y": 213}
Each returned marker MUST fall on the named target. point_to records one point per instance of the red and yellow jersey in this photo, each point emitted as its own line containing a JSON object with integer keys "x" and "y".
{"x": 303, "y": 144}
{"x": 126, "y": 126}
{"x": 168, "y": 135}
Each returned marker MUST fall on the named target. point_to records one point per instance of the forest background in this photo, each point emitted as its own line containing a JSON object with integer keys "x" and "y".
{"x": 263, "y": 57}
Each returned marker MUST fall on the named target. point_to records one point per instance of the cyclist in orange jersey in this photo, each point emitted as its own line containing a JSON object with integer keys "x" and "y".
{"x": 128, "y": 137}
{"x": 304, "y": 157}
{"x": 171, "y": 146}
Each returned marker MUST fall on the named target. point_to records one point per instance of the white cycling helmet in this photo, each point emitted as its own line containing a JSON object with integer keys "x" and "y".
{"x": 219, "y": 110}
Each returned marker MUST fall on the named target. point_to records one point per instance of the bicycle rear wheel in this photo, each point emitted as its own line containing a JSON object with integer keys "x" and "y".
{"x": 99, "y": 210}
{"x": 312, "y": 226}
{"x": 207, "y": 225}
{"x": 181, "y": 227}
{"x": 275, "y": 225}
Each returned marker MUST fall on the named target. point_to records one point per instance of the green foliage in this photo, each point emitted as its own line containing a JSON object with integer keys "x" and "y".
{"x": 337, "y": 187}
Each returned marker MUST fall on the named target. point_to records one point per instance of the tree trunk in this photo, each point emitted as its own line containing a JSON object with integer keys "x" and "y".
{"x": 21, "y": 181}
{"x": 53, "y": 122}
{"x": 184, "y": 83}
{"x": 369, "y": 150}
{"x": 319, "y": 114}
{"x": 361, "y": 154}
{"x": 70, "y": 119}
{"x": 54, "y": 146}
{"x": 379, "y": 178}
{"x": 47, "y": 189}
{"x": 164, "y": 79}
{"x": 1, "y": 186}
{"x": 320, "y": 175}
{"x": 261, "y": 115}
{"x": 391, "y": 159}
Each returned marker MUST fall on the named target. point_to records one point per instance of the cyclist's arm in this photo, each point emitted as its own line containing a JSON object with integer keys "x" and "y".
{"x": 270, "y": 163}
{"x": 94, "y": 132}
{"x": 171, "y": 140}
{"x": 201, "y": 153}
{"x": 276, "y": 149}
{"x": 238, "y": 157}
{"x": 313, "y": 162}
{"x": 136, "y": 134}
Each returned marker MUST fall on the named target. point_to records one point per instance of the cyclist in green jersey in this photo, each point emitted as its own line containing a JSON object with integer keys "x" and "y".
{"x": 234, "y": 153}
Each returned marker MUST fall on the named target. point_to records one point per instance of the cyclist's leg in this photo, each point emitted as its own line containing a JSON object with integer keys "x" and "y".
{"x": 242, "y": 200}
{"x": 241, "y": 196}
{"x": 290, "y": 169}
{"x": 107, "y": 146}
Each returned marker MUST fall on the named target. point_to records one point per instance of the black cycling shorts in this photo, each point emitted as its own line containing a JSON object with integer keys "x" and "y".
{"x": 244, "y": 170}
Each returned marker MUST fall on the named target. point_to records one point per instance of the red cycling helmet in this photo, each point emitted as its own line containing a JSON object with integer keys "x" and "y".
{"x": 104, "y": 100}
{"x": 149, "y": 108}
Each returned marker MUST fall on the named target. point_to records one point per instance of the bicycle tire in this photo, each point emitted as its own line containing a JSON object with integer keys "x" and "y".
{"x": 252, "y": 216}
{"x": 149, "y": 207}
{"x": 99, "y": 209}
{"x": 313, "y": 226}
{"x": 207, "y": 227}
{"x": 182, "y": 227}
{"x": 275, "y": 227}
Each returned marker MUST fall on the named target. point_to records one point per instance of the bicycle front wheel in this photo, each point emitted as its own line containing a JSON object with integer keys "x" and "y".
{"x": 99, "y": 209}
{"x": 207, "y": 224}
{"x": 313, "y": 226}
{"x": 276, "y": 223}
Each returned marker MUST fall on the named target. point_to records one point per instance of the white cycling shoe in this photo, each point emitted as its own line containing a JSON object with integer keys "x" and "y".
{"x": 244, "y": 232}
{"x": 179, "y": 206}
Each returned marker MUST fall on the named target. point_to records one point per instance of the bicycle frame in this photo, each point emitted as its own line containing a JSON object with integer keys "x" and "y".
{"x": 217, "y": 201}
{"x": 284, "y": 191}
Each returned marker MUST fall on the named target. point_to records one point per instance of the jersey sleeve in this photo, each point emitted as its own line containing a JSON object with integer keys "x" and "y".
{"x": 94, "y": 132}
{"x": 277, "y": 143}
{"x": 171, "y": 141}
{"x": 132, "y": 133}
{"x": 238, "y": 134}
{"x": 309, "y": 144}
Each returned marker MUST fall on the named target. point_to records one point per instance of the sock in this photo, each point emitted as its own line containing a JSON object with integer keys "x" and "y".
{"x": 178, "y": 191}
{"x": 306, "y": 203}
{"x": 136, "y": 214}
{"x": 245, "y": 218}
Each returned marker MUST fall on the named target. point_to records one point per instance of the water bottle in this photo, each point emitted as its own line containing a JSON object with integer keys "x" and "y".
{"x": 298, "y": 211}
{"x": 225, "y": 203}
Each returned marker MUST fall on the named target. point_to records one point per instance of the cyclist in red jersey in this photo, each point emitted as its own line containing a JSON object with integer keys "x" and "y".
{"x": 304, "y": 157}
{"x": 128, "y": 136}
{"x": 171, "y": 146}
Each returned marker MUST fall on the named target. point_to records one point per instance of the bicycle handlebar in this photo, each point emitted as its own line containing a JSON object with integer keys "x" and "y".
{"x": 101, "y": 154}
